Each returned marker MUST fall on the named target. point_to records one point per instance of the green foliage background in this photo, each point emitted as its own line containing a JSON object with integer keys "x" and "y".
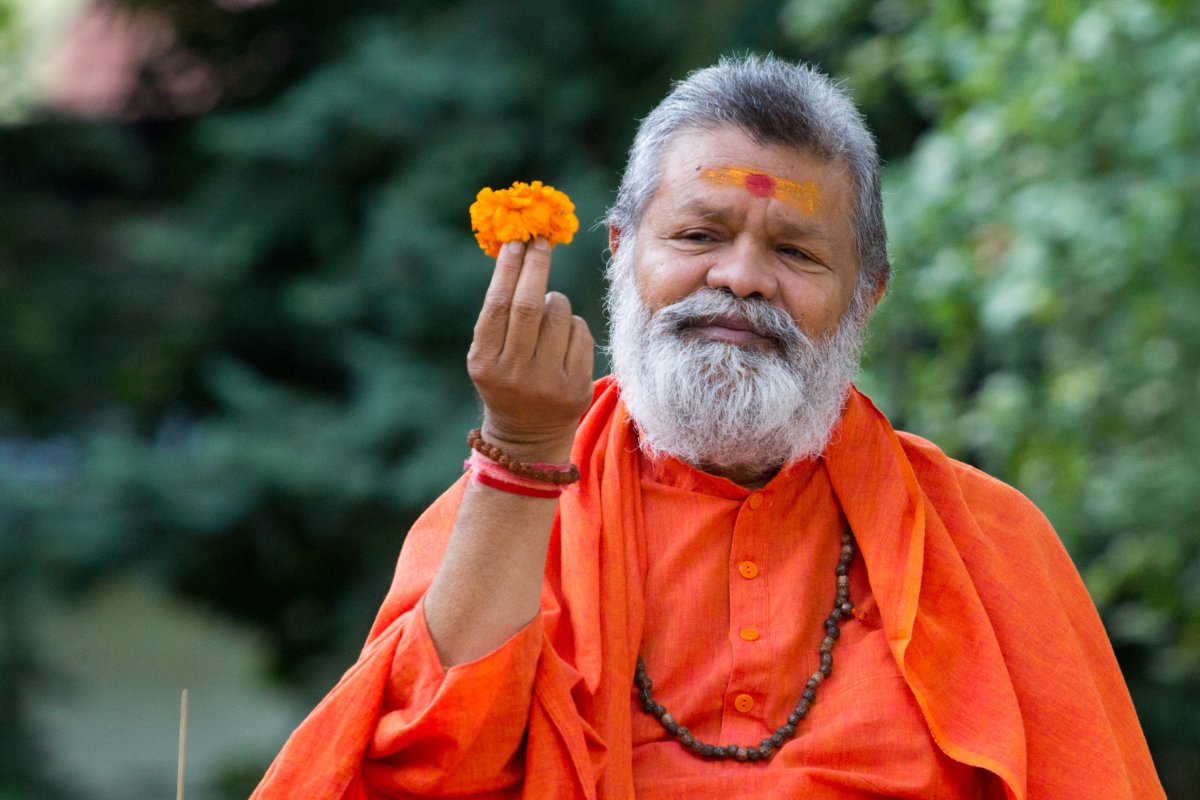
{"x": 232, "y": 345}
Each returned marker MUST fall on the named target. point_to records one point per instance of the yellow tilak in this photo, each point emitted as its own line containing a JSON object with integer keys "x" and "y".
{"x": 804, "y": 196}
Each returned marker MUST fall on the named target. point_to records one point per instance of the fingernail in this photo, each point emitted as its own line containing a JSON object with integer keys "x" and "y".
{"x": 512, "y": 248}
{"x": 541, "y": 243}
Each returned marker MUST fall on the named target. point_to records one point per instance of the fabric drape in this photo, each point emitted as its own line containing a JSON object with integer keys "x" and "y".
{"x": 985, "y": 615}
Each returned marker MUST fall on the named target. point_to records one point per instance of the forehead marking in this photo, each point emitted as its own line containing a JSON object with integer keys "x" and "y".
{"x": 759, "y": 185}
{"x": 804, "y": 196}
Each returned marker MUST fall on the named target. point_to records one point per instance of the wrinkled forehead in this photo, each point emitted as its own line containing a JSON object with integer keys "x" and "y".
{"x": 730, "y": 157}
{"x": 804, "y": 195}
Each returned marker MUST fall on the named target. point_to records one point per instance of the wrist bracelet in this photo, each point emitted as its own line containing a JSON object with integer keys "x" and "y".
{"x": 559, "y": 474}
{"x": 493, "y": 482}
{"x": 494, "y": 474}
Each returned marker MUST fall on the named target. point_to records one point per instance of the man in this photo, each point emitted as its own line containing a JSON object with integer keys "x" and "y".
{"x": 756, "y": 588}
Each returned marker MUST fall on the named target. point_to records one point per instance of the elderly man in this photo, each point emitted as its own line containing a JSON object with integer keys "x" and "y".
{"x": 751, "y": 585}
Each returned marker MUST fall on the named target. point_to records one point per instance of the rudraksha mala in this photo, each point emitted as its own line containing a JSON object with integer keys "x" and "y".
{"x": 549, "y": 473}
{"x": 842, "y": 608}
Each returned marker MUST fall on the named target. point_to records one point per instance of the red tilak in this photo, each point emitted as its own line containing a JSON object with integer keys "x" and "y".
{"x": 760, "y": 185}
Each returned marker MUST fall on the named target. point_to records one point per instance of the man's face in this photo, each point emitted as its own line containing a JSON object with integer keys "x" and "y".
{"x": 753, "y": 220}
{"x": 730, "y": 336}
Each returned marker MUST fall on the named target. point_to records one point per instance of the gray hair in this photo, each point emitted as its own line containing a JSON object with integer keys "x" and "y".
{"x": 774, "y": 102}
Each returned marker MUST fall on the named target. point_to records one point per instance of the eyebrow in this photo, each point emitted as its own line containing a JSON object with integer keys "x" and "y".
{"x": 804, "y": 230}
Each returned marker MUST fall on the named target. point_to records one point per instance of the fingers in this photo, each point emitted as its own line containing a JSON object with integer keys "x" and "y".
{"x": 554, "y": 333}
{"x": 531, "y": 360}
{"x": 492, "y": 325}
{"x": 581, "y": 350}
{"x": 528, "y": 300}
{"x": 512, "y": 308}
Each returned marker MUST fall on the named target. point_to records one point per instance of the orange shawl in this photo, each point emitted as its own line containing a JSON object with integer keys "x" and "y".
{"x": 985, "y": 614}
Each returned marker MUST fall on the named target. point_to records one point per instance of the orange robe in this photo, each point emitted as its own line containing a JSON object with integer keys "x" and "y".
{"x": 987, "y": 633}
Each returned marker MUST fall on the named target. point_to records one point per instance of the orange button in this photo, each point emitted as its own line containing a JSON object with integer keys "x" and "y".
{"x": 755, "y": 501}
{"x": 749, "y": 634}
{"x": 748, "y": 569}
{"x": 743, "y": 703}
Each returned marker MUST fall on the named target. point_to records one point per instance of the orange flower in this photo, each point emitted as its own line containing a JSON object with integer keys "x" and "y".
{"x": 522, "y": 212}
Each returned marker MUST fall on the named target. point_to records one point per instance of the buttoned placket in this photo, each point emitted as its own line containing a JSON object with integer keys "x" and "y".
{"x": 749, "y": 624}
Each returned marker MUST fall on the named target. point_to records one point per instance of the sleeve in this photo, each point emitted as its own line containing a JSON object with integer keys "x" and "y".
{"x": 452, "y": 732}
{"x": 398, "y": 725}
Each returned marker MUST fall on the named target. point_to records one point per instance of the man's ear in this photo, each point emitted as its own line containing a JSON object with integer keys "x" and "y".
{"x": 614, "y": 239}
{"x": 881, "y": 286}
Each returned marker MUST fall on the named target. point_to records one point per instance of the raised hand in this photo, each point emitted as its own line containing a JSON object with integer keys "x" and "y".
{"x": 531, "y": 360}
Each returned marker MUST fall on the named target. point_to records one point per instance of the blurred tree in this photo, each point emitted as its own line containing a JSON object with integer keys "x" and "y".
{"x": 1042, "y": 324}
{"x": 234, "y": 343}
{"x": 314, "y": 285}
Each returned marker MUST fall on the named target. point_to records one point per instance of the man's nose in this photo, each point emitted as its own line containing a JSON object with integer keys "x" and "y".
{"x": 744, "y": 270}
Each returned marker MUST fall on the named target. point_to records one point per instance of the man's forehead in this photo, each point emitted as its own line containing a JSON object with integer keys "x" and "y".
{"x": 728, "y": 157}
{"x": 804, "y": 196}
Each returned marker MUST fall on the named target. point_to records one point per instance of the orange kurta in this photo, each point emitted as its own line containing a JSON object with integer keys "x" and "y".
{"x": 976, "y": 634}
{"x": 738, "y": 584}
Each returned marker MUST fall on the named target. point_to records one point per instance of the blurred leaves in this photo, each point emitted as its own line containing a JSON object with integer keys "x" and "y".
{"x": 1043, "y": 320}
{"x": 233, "y": 345}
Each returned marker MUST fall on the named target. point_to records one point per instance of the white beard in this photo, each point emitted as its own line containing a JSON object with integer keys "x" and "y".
{"x": 715, "y": 404}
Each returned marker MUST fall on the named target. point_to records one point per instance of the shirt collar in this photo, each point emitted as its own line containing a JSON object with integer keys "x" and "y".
{"x": 670, "y": 471}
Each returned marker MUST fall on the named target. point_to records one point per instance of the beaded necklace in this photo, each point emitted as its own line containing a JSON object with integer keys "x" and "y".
{"x": 842, "y": 608}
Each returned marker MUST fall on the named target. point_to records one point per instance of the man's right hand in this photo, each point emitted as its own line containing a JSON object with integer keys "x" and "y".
{"x": 531, "y": 359}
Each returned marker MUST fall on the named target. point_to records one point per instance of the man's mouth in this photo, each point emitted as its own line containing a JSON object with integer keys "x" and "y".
{"x": 728, "y": 328}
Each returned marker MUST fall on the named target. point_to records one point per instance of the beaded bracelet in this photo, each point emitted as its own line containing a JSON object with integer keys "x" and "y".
{"x": 560, "y": 474}
{"x": 491, "y": 473}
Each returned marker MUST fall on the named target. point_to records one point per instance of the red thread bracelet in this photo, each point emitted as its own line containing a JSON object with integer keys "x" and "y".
{"x": 513, "y": 488}
{"x": 498, "y": 476}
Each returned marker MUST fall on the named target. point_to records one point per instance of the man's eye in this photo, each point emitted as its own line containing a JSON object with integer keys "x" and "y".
{"x": 697, "y": 236}
{"x": 795, "y": 252}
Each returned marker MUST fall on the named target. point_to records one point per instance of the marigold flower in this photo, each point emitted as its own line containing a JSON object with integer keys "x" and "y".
{"x": 521, "y": 212}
